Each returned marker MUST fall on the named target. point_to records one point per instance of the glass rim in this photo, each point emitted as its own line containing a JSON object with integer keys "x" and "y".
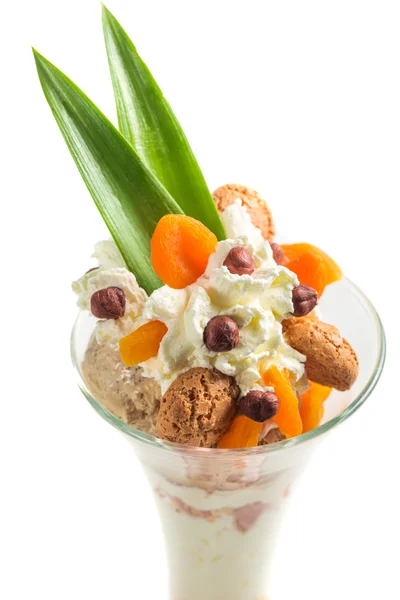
{"x": 256, "y": 450}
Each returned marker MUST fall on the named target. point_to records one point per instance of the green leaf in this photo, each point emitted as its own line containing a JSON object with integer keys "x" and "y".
{"x": 129, "y": 197}
{"x": 148, "y": 123}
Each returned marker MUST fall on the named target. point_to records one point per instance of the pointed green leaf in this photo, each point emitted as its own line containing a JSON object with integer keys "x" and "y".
{"x": 129, "y": 197}
{"x": 148, "y": 123}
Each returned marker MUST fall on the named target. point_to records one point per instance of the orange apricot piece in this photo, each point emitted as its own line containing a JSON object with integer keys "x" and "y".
{"x": 142, "y": 344}
{"x": 312, "y": 266}
{"x": 180, "y": 249}
{"x": 288, "y": 416}
{"x": 294, "y": 250}
{"x": 243, "y": 433}
{"x": 312, "y": 405}
{"x": 310, "y": 270}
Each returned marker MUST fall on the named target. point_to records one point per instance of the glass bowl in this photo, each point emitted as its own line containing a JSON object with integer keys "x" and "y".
{"x": 221, "y": 509}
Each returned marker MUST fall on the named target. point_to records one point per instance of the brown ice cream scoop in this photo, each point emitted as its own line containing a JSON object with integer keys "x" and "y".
{"x": 331, "y": 361}
{"x": 257, "y": 208}
{"x": 197, "y": 408}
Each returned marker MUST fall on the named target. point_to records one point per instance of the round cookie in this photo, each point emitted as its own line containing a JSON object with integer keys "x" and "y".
{"x": 197, "y": 408}
{"x": 331, "y": 361}
{"x": 257, "y": 208}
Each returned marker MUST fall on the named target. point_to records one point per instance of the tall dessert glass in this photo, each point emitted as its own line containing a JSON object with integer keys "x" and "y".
{"x": 221, "y": 510}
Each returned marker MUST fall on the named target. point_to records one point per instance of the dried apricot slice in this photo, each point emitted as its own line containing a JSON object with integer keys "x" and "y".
{"x": 312, "y": 266}
{"x": 312, "y": 405}
{"x": 294, "y": 250}
{"x": 288, "y": 416}
{"x": 180, "y": 249}
{"x": 243, "y": 433}
{"x": 142, "y": 344}
{"x": 310, "y": 270}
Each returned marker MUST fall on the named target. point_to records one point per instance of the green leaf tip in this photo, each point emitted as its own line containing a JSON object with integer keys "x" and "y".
{"x": 129, "y": 197}
{"x": 147, "y": 121}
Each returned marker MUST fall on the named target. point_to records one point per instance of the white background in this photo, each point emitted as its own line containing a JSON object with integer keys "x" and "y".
{"x": 300, "y": 100}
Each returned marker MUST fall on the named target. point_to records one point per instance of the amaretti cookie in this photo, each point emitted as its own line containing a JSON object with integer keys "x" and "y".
{"x": 197, "y": 408}
{"x": 257, "y": 208}
{"x": 331, "y": 361}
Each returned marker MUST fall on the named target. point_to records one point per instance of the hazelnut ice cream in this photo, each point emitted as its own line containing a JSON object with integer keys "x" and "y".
{"x": 122, "y": 390}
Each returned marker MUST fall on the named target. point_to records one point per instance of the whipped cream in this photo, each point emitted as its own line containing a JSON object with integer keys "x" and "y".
{"x": 111, "y": 272}
{"x": 258, "y": 303}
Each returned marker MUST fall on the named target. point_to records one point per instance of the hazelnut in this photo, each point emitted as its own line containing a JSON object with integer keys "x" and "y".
{"x": 221, "y": 334}
{"x": 277, "y": 253}
{"x": 304, "y": 299}
{"x": 239, "y": 261}
{"x": 259, "y": 406}
{"x": 108, "y": 303}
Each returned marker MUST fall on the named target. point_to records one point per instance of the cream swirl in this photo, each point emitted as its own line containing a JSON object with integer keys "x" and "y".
{"x": 111, "y": 272}
{"x": 257, "y": 303}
